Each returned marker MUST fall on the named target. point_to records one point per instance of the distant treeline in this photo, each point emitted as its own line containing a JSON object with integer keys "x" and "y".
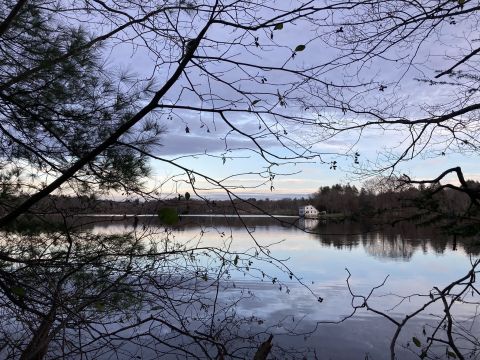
{"x": 183, "y": 206}
{"x": 69, "y": 205}
{"x": 379, "y": 200}
{"x": 382, "y": 199}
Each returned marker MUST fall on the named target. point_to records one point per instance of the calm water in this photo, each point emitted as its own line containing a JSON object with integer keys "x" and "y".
{"x": 415, "y": 260}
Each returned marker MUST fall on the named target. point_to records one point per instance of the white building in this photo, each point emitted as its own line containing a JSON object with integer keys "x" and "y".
{"x": 308, "y": 211}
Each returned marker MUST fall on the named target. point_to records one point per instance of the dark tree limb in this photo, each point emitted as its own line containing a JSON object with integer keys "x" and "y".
{"x": 11, "y": 16}
{"x": 70, "y": 172}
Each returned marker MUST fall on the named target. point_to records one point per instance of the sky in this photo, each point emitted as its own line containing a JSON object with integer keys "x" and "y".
{"x": 202, "y": 142}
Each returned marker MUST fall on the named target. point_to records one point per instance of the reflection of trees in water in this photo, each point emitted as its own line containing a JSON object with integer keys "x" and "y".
{"x": 378, "y": 245}
{"x": 189, "y": 222}
{"x": 399, "y": 242}
{"x": 348, "y": 242}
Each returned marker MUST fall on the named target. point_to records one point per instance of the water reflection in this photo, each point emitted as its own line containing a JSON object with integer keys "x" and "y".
{"x": 397, "y": 243}
{"x": 396, "y": 247}
{"x": 309, "y": 224}
{"x": 416, "y": 259}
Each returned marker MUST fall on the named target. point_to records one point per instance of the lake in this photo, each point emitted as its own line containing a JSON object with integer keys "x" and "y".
{"x": 314, "y": 257}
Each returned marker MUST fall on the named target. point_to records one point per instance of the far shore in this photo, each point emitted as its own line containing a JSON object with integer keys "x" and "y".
{"x": 325, "y": 216}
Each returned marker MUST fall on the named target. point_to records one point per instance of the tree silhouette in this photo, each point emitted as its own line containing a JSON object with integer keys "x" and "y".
{"x": 251, "y": 75}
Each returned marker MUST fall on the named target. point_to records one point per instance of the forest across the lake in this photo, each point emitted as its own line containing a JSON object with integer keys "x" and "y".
{"x": 381, "y": 203}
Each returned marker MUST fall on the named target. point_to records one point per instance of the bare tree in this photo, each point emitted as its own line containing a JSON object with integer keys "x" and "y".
{"x": 256, "y": 76}
{"x": 71, "y": 124}
{"x": 448, "y": 335}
